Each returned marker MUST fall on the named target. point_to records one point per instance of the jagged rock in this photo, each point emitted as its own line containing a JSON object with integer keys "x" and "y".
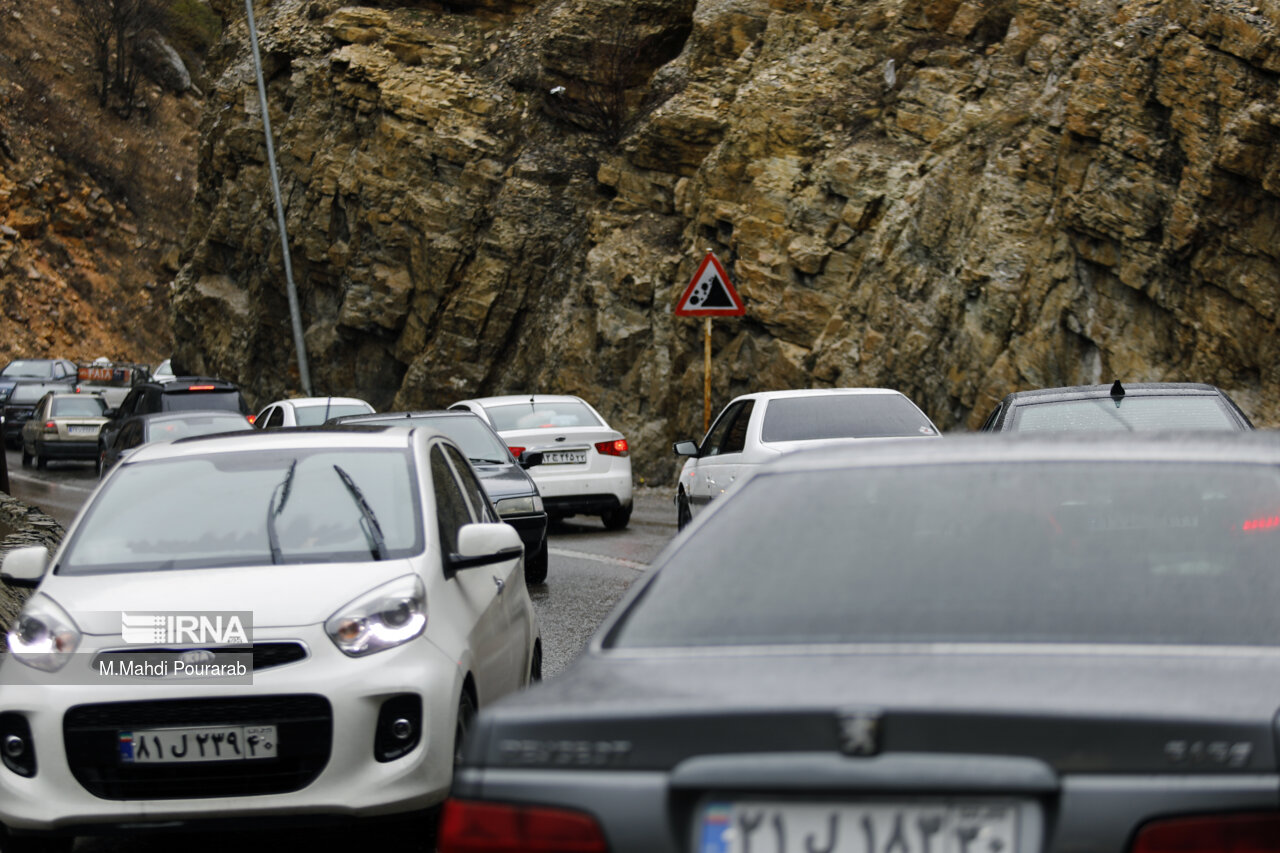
{"x": 1043, "y": 192}
{"x": 161, "y": 63}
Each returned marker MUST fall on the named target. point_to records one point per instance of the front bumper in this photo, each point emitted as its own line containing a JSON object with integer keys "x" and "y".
{"x": 352, "y": 784}
{"x": 532, "y": 529}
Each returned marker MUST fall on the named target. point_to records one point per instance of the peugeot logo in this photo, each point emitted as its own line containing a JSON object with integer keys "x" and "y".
{"x": 194, "y": 657}
{"x": 859, "y": 732}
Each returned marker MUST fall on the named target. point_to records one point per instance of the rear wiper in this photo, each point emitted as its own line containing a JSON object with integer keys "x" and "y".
{"x": 281, "y": 491}
{"x": 485, "y": 461}
{"x": 369, "y": 521}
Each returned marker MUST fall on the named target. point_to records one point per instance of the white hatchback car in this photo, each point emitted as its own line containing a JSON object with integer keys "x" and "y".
{"x": 586, "y": 464}
{"x": 756, "y": 428}
{"x": 308, "y": 411}
{"x": 377, "y": 600}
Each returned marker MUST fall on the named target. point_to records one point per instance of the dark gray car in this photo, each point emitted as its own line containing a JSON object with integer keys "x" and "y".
{"x": 512, "y": 490}
{"x": 982, "y": 645}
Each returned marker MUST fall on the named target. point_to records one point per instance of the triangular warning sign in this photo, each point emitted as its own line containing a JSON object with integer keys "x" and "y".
{"x": 710, "y": 294}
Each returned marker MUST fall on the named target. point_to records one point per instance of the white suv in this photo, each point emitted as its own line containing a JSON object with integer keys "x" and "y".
{"x": 586, "y": 464}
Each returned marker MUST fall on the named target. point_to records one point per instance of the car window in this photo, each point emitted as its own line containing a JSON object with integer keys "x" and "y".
{"x": 222, "y": 509}
{"x": 316, "y": 415}
{"x": 990, "y": 422}
{"x": 541, "y": 415}
{"x": 1139, "y": 414}
{"x": 27, "y": 369}
{"x": 26, "y": 395}
{"x": 828, "y": 416}
{"x": 131, "y": 435}
{"x": 84, "y": 407}
{"x": 130, "y": 402}
{"x": 711, "y": 442}
{"x": 481, "y": 509}
{"x": 735, "y": 438}
{"x": 276, "y": 419}
{"x": 1017, "y": 552}
{"x": 451, "y": 506}
{"x": 188, "y": 401}
{"x": 476, "y": 440}
{"x": 59, "y": 370}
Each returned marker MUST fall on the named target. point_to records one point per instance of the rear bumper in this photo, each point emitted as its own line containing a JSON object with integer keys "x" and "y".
{"x": 68, "y": 449}
{"x": 581, "y": 505}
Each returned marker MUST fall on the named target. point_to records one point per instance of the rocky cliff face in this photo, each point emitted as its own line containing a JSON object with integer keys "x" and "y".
{"x": 956, "y": 198}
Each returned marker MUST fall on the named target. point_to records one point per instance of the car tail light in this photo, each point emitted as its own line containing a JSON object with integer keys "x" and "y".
{"x": 613, "y": 448}
{"x": 1232, "y": 833}
{"x": 251, "y": 418}
{"x": 200, "y": 388}
{"x": 471, "y": 827}
{"x": 50, "y": 426}
{"x": 516, "y": 451}
{"x": 1255, "y": 524}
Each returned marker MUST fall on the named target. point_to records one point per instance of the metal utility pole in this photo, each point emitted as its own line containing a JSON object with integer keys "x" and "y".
{"x": 304, "y": 375}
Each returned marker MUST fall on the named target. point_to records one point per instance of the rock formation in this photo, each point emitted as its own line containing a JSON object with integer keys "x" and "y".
{"x": 956, "y": 198}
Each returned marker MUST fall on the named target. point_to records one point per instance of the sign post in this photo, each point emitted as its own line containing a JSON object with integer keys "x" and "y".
{"x": 709, "y": 295}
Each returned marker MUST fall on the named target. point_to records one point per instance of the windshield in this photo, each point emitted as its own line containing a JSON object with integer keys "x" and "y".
{"x": 27, "y": 395}
{"x": 1137, "y": 414}
{"x": 78, "y": 407}
{"x": 994, "y": 553}
{"x": 541, "y": 415}
{"x": 316, "y": 415}
{"x": 476, "y": 440}
{"x": 843, "y": 416}
{"x": 194, "y": 401}
{"x": 229, "y": 509}
{"x": 28, "y": 370}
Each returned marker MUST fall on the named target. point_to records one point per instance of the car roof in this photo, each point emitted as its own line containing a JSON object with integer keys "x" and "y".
{"x": 1096, "y": 448}
{"x": 509, "y": 399}
{"x": 815, "y": 392}
{"x": 320, "y": 401}
{"x": 1136, "y": 389}
{"x": 379, "y": 417}
{"x": 300, "y": 438}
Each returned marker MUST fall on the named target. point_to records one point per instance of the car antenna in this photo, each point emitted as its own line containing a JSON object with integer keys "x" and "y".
{"x": 531, "y": 405}
{"x": 1117, "y": 392}
{"x": 328, "y": 401}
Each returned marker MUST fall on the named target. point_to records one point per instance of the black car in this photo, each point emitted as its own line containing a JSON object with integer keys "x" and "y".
{"x": 979, "y": 645}
{"x": 1139, "y": 407}
{"x": 166, "y": 426}
{"x": 183, "y": 394}
{"x": 50, "y": 370}
{"x": 511, "y": 489}
{"x": 20, "y": 405}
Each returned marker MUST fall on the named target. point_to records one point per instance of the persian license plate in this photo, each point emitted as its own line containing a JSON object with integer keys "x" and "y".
{"x": 564, "y": 457}
{"x": 82, "y": 430}
{"x": 858, "y": 827}
{"x": 203, "y": 743}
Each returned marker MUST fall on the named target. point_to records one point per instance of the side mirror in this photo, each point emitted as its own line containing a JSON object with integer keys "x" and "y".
{"x": 485, "y": 544}
{"x": 685, "y": 448}
{"x": 26, "y": 566}
{"x": 530, "y": 458}
{"x": 110, "y": 413}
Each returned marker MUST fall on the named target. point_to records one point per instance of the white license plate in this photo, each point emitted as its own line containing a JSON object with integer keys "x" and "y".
{"x": 82, "y": 430}
{"x": 204, "y": 743}
{"x": 858, "y": 827}
{"x": 564, "y": 457}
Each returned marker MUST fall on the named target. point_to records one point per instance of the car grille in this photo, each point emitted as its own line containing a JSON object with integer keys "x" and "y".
{"x": 265, "y": 655}
{"x": 304, "y": 725}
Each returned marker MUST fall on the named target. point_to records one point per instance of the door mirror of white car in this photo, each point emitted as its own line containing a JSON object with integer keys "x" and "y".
{"x": 529, "y": 458}
{"x": 685, "y": 448}
{"x": 25, "y": 566}
{"x": 485, "y": 544}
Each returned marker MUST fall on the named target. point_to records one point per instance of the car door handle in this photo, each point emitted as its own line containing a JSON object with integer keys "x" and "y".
{"x": 499, "y": 583}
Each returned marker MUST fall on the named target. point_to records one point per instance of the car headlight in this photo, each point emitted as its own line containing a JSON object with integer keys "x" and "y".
{"x": 45, "y": 636}
{"x": 386, "y": 617}
{"x": 519, "y": 506}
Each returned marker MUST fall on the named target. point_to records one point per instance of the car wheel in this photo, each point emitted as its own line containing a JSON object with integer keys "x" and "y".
{"x": 535, "y": 568}
{"x": 26, "y": 457}
{"x": 535, "y": 668}
{"x": 617, "y": 519}
{"x": 35, "y": 843}
{"x": 466, "y": 716}
{"x": 42, "y": 461}
{"x": 684, "y": 516}
{"x": 97, "y": 466}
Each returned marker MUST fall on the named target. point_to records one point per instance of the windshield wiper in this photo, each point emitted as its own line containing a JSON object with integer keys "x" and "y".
{"x": 486, "y": 461}
{"x": 281, "y": 491}
{"x": 369, "y": 521}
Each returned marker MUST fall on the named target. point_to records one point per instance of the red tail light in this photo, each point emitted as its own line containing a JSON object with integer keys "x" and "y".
{"x": 50, "y": 426}
{"x": 250, "y": 418}
{"x": 1254, "y": 524}
{"x": 470, "y": 827}
{"x": 200, "y": 387}
{"x": 1236, "y": 833}
{"x": 613, "y": 448}
{"x": 516, "y": 451}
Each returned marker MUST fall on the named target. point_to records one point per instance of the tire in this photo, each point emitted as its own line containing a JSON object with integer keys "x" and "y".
{"x": 26, "y": 457}
{"x": 684, "y": 516}
{"x": 466, "y": 717}
{"x": 535, "y": 667}
{"x": 617, "y": 519}
{"x": 42, "y": 461}
{"x": 535, "y": 568}
{"x": 97, "y": 466}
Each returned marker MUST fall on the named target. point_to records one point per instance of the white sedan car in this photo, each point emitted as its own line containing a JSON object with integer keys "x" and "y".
{"x": 756, "y": 428}
{"x": 261, "y": 626}
{"x": 309, "y": 411}
{"x": 586, "y": 464}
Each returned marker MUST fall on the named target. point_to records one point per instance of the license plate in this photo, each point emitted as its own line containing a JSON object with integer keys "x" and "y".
{"x": 205, "y": 743}
{"x": 564, "y": 457}
{"x": 82, "y": 430}
{"x": 853, "y": 827}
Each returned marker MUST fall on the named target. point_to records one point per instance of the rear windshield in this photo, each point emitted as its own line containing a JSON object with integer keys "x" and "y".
{"x": 83, "y": 407}
{"x": 1135, "y": 414}
{"x": 843, "y": 416}
{"x": 194, "y": 401}
{"x": 541, "y": 415}
{"x": 169, "y": 429}
{"x": 995, "y": 553}
{"x": 316, "y": 415}
{"x": 222, "y": 509}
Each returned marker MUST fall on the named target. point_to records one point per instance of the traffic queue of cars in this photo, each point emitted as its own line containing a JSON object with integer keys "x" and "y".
{"x": 979, "y": 644}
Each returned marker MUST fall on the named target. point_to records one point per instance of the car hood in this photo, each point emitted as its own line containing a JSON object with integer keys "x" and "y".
{"x": 504, "y": 481}
{"x": 277, "y": 596}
